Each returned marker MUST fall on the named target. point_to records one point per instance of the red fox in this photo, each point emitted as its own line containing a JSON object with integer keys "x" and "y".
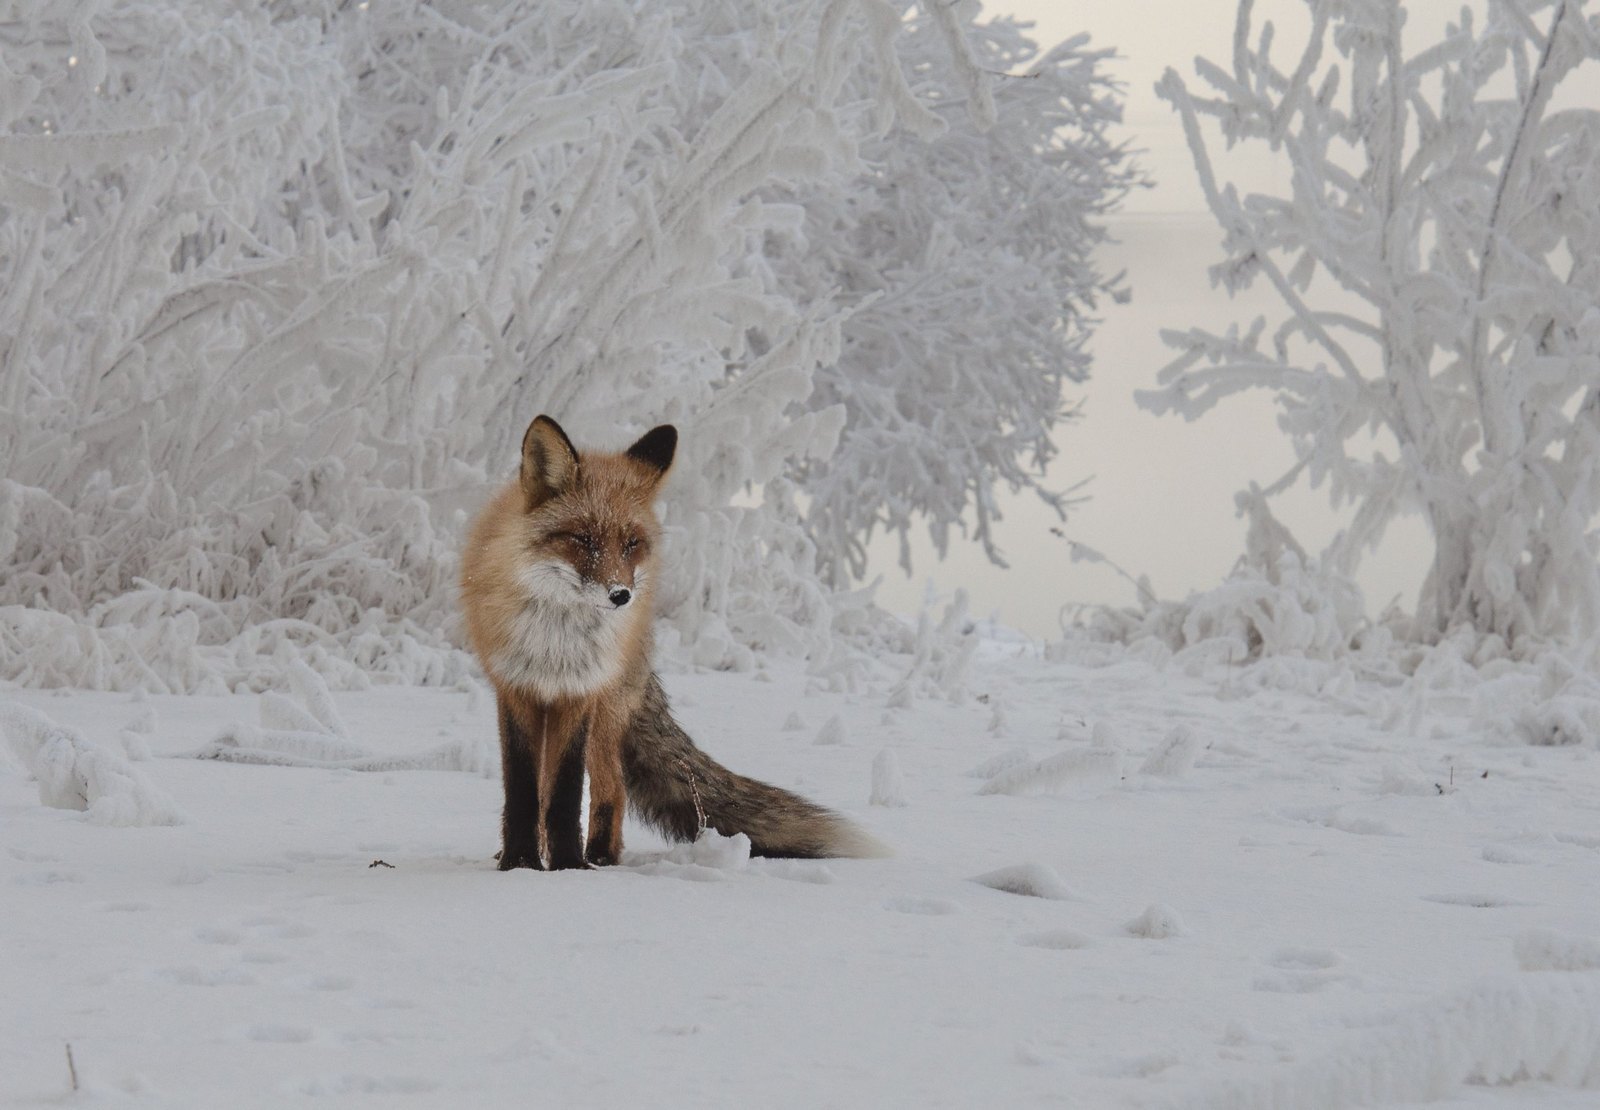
{"x": 557, "y": 585}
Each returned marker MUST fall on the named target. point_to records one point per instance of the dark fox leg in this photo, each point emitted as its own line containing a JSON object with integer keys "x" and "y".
{"x": 607, "y": 796}
{"x": 519, "y": 824}
{"x": 605, "y": 834}
{"x": 563, "y": 772}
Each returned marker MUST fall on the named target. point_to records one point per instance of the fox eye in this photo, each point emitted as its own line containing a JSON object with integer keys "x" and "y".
{"x": 582, "y": 539}
{"x": 632, "y": 545}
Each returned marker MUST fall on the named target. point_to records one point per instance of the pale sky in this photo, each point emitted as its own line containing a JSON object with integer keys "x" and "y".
{"x": 1151, "y": 35}
{"x": 1162, "y": 490}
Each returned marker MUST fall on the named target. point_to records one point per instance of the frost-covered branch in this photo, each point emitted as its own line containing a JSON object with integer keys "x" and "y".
{"x": 283, "y": 283}
{"x": 1455, "y": 217}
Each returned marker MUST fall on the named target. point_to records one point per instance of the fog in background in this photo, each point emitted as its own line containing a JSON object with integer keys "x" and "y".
{"x": 1161, "y": 490}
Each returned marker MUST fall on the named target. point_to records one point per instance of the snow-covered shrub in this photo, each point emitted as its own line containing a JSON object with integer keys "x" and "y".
{"x": 1488, "y": 1035}
{"x": 285, "y": 282}
{"x": 988, "y": 218}
{"x": 1277, "y": 601}
{"x": 1562, "y": 709}
{"x": 1442, "y": 187}
{"x": 72, "y": 773}
{"x": 303, "y": 729}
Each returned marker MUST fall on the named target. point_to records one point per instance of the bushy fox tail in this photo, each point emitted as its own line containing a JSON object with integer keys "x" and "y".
{"x": 677, "y": 789}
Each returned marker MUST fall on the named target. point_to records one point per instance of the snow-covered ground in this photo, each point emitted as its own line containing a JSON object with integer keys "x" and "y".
{"x": 1120, "y": 880}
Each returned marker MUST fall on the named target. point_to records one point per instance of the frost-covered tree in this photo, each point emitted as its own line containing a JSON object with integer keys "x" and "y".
{"x": 966, "y": 251}
{"x": 1442, "y": 188}
{"x": 284, "y": 283}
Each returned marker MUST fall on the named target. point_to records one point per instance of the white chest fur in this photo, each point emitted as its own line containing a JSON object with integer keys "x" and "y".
{"x": 562, "y": 643}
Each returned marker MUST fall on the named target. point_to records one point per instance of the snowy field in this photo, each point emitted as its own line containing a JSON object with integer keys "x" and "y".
{"x": 285, "y": 284}
{"x": 1121, "y": 879}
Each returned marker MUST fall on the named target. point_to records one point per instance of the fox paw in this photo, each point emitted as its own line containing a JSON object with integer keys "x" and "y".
{"x": 509, "y": 861}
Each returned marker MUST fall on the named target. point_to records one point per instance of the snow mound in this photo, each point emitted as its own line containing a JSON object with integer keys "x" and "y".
{"x": 305, "y": 731}
{"x": 1157, "y": 922}
{"x": 1544, "y": 1029}
{"x": 888, "y": 787}
{"x": 74, "y": 774}
{"x": 1566, "y": 719}
{"x": 1052, "y": 772}
{"x": 1033, "y": 880}
{"x": 1005, "y": 761}
{"x": 1174, "y": 758}
{"x": 712, "y": 849}
{"x": 712, "y": 857}
{"x": 831, "y": 732}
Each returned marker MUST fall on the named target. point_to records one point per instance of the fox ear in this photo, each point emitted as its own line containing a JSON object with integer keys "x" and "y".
{"x": 549, "y": 462}
{"x": 656, "y": 447}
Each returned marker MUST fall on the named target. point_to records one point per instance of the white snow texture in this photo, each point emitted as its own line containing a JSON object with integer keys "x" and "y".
{"x": 1493, "y": 1033}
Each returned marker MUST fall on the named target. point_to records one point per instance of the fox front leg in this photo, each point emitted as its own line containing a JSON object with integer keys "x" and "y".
{"x": 561, "y": 788}
{"x": 519, "y": 824}
{"x": 607, "y": 792}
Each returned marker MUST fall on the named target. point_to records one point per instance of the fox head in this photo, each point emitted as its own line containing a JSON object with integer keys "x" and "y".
{"x": 588, "y": 519}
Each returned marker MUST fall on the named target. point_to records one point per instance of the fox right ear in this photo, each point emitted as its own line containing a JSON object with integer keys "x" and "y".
{"x": 549, "y": 462}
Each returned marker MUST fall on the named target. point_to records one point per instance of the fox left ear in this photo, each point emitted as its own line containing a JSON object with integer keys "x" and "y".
{"x": 656, "y": 447}
{"x": 549, "y": 462}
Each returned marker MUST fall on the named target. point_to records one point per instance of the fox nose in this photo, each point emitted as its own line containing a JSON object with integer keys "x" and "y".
{"x": 620, "y": 596}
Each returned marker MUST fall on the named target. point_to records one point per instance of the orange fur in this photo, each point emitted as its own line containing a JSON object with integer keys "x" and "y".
{"x": 545, "y": 564}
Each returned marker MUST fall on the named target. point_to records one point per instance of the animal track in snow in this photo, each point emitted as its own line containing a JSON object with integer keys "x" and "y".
{"x": 1304, "y": 959}
{"x": 279, "y": 1034}
{"x": 1582, "y": 840}
{"x": 24, "y": 855}
{"x": 262, "y": 956}
{"x": 1056, "y": 939}
{"x": 1475, "y": 901}
{"x": 1294, "y": 982}
{"x": 1140, "y": 1067}
{"x": 367, "y": 1085}
{"x": 1499, "y": 853}
{"x": 199, "y": 977}
{"x": 329, "y": 983}
{"x": 930, "y": 907}
{"x": 212, "y": 935}
{"x": 1331, "y": 817}
{"x": 47, "y": 878}
{"x": 290, "y": 930}
{"x": 1545, "y": 950}
{"x": 795, "y": 870}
